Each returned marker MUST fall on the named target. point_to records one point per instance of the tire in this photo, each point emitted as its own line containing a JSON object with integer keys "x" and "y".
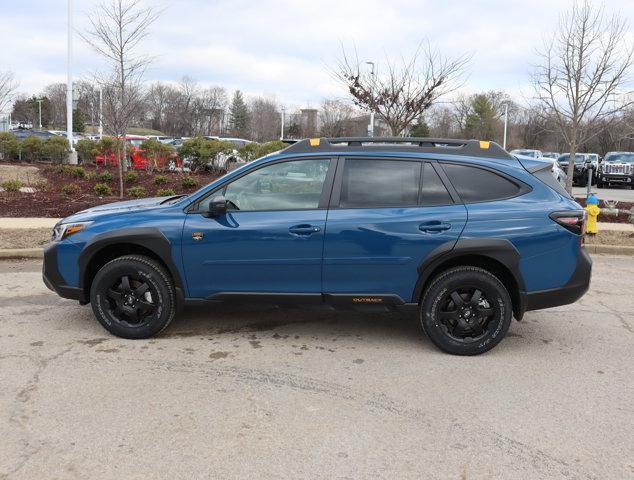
{"x": 466, "y": 324}
{"x": 139, "y": 307}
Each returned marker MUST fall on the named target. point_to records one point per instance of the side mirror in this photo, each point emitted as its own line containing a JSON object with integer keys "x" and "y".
{"x": 217, "y": 207}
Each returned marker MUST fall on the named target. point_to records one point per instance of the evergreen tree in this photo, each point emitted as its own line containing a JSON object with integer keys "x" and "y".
{"x": 421, "y": 129}
{"x": 239, "y": 115}
{"x": 79, "y": 121}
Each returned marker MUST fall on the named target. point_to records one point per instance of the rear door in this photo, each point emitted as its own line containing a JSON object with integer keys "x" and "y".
{"x": 386, "y": 216}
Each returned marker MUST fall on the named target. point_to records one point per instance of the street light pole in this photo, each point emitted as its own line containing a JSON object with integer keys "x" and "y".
{"x": 371, "y": 126}
{"x": 72, "y": 158}
{"x": 39, "y": 108}
{"x": 100, "y": 113}
{"x": 282, "y": 129}
{"x": 506, "y": 121}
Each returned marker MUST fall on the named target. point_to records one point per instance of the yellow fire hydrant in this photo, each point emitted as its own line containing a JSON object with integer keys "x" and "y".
{"x": 593, "y": 210}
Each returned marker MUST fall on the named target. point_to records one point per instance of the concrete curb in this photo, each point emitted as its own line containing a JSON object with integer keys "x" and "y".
{"x": 611, "y": 249}
{"x": 9, "y": 253}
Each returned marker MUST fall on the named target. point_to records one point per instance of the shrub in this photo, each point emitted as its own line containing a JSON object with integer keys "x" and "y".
{"x": 9, "y": 146}
{"x": 188, "y": 182}
{"x": 106, "y": 177}
{"x": 157, "y": 153}
{"x": 70, "y": 189}
{"x": 200, "y": 151}
{"x": 137, "y": 192}
{"x": 87, "y": 149}
{"x": 131, "y": 177}
{"x": 12, "y": 185}
{"x": 55, "y": 148}
{"x": 161, "y": 180}
{"x": 76, "y": 172}
{"x": 165, "y": 192}
{"x": 41, "y": 186}
{"x": 102, "y": 189}
{"x": 91, "y": 176}
{"x": 254, "y": 150}
{"x": 31, "y": 149}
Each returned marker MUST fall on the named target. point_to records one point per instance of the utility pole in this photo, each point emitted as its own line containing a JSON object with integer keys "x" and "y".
{"x": 371, "y": 126}
{"x": 72, "y": 157}
{"x": 282, "y": 129}
{"x": 39, "y": 109}
{"x": 506, "y": 121}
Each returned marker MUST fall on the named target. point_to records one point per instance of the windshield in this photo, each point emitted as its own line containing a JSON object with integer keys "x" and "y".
{"x": 625, "y": 157}
{"x": 526, "y": 153}
{"x": 136, "y": 143}
{"x": 579, "y": 158}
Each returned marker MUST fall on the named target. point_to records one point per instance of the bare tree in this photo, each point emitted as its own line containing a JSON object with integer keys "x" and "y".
{"x": 336, "y": 118}
{"x": 401, "y": 93}
{"x": 584, "y": 65}
{"x": 8, "y": 86}
{"x": 265, "y": 118}
{"x": 117, "y": 27}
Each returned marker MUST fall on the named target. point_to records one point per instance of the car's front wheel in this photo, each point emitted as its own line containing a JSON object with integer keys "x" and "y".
{"x": 466, "y": 311}
{"x": 133, "y": 297}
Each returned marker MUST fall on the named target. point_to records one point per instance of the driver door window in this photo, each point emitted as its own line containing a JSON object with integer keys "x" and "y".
{"x": 293, "y": 185}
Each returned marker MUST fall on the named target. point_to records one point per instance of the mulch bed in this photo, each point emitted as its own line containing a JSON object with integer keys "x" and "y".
{"x": 52, "y": 202}
{"x": 620, "y": 218}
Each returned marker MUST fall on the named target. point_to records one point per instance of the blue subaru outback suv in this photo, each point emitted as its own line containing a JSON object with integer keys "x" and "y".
{"x": 466, "y": 233}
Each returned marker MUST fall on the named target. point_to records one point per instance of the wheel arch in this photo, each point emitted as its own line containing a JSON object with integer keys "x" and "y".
{"x": 150, "y": 242}
{"x": 498, "y": 256}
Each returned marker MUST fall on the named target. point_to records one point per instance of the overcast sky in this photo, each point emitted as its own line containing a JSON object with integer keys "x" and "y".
{"x": 281, "y": 47}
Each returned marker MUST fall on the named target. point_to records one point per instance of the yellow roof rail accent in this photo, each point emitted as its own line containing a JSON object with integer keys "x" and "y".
{"x": 484, "y": 144}
{"x": 314, "y": 142}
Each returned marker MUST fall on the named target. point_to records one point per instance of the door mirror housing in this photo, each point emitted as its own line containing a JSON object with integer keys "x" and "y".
{"x": 217, "y": 207}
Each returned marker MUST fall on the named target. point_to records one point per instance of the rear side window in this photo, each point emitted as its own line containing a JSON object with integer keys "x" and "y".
{"x": 546, "y": 176}
{"x": 433, "y": 191}
{"x": 478, "y": 185}
{"x": 379, "y": 183}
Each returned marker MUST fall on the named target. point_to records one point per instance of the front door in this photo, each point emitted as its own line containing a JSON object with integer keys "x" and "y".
{"x": 270, "y": 239}
{"x": 387, "y": 216}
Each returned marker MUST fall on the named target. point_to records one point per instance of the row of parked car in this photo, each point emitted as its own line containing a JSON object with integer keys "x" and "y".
{"x": 615, "y": 168}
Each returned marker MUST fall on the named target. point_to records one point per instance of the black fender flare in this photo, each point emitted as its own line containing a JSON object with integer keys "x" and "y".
{"x": 498, "y": 249}
{"x": 150, "y": 238}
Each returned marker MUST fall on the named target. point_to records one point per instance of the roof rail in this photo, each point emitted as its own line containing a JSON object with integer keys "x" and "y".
{"x": 472, "y": 148}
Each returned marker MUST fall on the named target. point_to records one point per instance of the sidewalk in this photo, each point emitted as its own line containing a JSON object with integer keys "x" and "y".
{"x": 32, "y": 222}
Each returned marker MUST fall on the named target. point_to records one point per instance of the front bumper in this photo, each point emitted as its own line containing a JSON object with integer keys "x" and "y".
{"x": 572, "y": 291}
{"x": 626, "y": 179}
{"x": 54, "y": 280}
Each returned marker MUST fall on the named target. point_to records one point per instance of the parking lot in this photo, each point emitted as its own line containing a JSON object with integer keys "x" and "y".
{"x": 239, "y": 392}
{"x": 620, "y": 194}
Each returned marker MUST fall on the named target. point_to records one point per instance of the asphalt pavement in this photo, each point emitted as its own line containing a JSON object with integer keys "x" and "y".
{"x": 245, "y": 392}
{"x": 621, "y": 194}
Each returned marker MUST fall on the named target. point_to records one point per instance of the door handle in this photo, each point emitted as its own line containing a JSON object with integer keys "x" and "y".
{"x": 304, "y": 230}
{"x": 434, "y": 226}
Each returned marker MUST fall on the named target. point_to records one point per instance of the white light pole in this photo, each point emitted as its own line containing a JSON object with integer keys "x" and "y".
{"x": 371, "y": 126}
{"x": 39, "y": 111}
{"x": 72, "y": 158}
{"x": 506, "y": 121}
{"x": 282, "y": 128}
{"x": 100, "y": 113}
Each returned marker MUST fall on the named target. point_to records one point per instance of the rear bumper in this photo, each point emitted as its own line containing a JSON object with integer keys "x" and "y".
{"x": 54, "y": 280}
{"x": 572, "y": 291}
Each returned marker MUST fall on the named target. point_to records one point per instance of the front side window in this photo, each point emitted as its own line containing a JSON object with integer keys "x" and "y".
{"x": 292, "y": 185}
{"x": 379, "y": 183}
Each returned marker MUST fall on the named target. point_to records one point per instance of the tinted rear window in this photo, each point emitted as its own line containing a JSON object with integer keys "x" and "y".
{"x": 479, "y": 185}
{"x": 546, "y": 176}
{"x": 379, "y": 183}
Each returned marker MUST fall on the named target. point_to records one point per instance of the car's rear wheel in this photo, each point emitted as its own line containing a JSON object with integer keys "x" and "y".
{"x": 466, "y": 311}
{"x": 133, "y": 297}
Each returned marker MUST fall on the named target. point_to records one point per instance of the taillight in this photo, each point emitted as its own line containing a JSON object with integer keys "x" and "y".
{"x": 572, "y": 220}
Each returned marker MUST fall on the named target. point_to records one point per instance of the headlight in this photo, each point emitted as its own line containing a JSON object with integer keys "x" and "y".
{"x": 63, "y": 230}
